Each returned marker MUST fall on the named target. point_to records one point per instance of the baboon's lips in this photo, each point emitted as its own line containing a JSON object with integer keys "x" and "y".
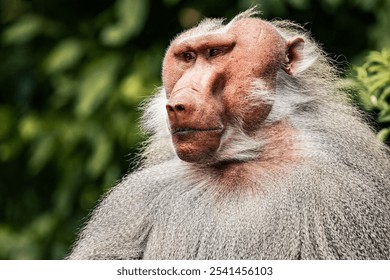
{"x": 187, "y": 130}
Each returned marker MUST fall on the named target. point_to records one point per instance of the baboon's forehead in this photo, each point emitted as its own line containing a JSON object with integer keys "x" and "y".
{"x": 206, "y": 28}
{"x": 210, "y": 28}
{"x": 209, "y": 25}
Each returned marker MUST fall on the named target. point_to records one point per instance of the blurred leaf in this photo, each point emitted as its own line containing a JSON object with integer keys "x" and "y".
{"x": 131, "y": 87}
{"x": 385, "y": 95}
{"x": 384, "y": 116}
{"x": 384, "y": 134}
{"x": 131, "y": 15}
{"x": 65, "y": 55}
{"x": 23, "y": 30}
{"x": 29, "y": 127}
{"x": 101, "y": 155}
{"x": 97, "y": 81}
{"x": 41, "y": 152}
{"x": 65, "y": 87}
{"x": 374, "y": 79}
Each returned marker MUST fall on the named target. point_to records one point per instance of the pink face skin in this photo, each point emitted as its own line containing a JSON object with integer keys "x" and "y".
{"x": 208, "y": 77}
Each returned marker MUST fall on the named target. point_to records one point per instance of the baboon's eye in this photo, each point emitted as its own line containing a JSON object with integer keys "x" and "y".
{"x": 189, "y": 56}
{"x": 215, "y": 52}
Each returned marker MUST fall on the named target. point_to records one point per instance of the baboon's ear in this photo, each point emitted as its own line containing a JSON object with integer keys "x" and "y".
{"x": 293, "y": 55}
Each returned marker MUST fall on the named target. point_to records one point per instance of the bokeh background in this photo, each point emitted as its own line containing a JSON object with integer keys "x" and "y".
{"x": 72, "y": 75}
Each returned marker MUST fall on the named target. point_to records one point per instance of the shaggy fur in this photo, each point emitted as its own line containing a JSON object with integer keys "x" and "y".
{"x": 333, "y": 204}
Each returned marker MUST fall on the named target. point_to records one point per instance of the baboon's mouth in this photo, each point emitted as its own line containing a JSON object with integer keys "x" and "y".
{"x": 187, "y": 130}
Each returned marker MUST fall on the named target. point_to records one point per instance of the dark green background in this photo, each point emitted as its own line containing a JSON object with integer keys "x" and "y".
{"x": 72, "y": 74}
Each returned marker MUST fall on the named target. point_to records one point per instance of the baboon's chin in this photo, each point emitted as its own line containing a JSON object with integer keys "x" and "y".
{"x": 197, "y": 147}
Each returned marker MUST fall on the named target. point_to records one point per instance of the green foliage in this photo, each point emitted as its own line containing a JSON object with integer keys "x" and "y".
{"x": 374, "y": 80}
{"x": 126, "y": 26}
{"x": 68, "y": 121}
{"x": 72, "y": 74}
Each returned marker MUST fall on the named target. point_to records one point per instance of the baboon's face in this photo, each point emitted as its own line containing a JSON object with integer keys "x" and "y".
{"x": 208, "y": 78}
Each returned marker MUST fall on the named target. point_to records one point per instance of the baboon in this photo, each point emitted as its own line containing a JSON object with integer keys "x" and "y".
{"x": 255, "y": 152}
